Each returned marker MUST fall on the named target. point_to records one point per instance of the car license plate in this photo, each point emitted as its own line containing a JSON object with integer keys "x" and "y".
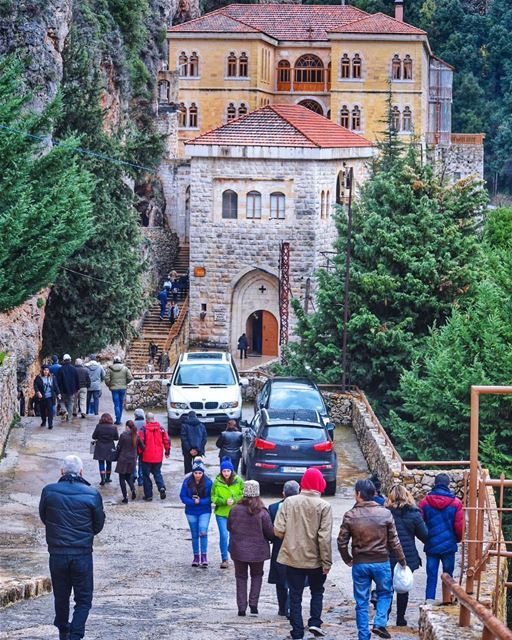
{"x": 293, "y": 469}
{"x": 207, "y": 419}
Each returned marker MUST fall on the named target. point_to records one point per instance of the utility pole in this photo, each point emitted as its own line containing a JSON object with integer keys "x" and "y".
{"x": 307, "y": 296}
{"x": 349, "y": 185}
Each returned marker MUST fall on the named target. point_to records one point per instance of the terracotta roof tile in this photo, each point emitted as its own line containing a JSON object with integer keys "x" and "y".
{"x": 280, "y": 21}
{"x": 282, "y": 125}
{"x": 378, "y": 23}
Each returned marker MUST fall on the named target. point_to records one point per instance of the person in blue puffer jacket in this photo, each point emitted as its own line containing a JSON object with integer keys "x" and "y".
{"x": 444, "y": 518}
{"x": 196, "y": 496}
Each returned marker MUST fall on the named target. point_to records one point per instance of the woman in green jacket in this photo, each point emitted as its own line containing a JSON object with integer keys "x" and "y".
{"x": 227, "y": 490}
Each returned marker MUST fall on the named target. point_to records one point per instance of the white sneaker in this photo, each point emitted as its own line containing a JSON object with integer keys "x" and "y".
{"x": 316, "y": 631}
{"x": 430, "y": 602}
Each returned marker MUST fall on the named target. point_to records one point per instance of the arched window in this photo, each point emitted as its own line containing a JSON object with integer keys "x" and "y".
{"x": 242, "y": 109}
{"x": 243, "y": 65}
{"x": 231, "y": 112}
{"x": 327, "y": 204}
{"x": 356, "y": 67}
{"x": 231, "y": 69}
{"x": 396, "y": 67}
{"x": 277, "y": 205}
{"x": 407, "y": 68}
{"x": 309, "y": 71}
{"x": 192, "y": 116}
{"x": 395, "y": 118}
{"x": 193, "y": 65}
{"x": 322, "y": 204}
{"x": 283, "y": 75}
{"x": 345, "y": 117}
{"x": 187, "y": 202}
{"x": 182, "y": 64}
{"x": 356, "y": 119}
{"x": 340, "y": 187}
{"x": 230, "y": 204}
{"x": 345, "y": 67}
{"x": 182, "y": 115}
{"x": 407, "y": 120}
{"x": 328, "y": 114}
{"x": 328, "y": 76}
{"x": 253, "y": 207}
{"x": 312, "y": 105}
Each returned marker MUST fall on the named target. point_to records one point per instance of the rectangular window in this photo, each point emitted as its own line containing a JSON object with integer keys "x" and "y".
{"x": 253, "y": 208}
{"x": 277, "y": 206}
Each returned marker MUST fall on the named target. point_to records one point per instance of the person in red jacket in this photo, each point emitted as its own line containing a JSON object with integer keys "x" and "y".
{"x": 156, "y": 443}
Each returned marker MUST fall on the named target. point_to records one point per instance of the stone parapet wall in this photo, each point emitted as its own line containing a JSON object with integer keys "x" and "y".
{"x": 146, "y": 393}
{"x": 161, "y": 250}
{"x": 16, "y": 590}
{"x": 8, "y": 398}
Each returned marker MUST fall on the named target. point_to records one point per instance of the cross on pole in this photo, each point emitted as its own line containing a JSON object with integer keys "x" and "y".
{"x": 262, "y": 289}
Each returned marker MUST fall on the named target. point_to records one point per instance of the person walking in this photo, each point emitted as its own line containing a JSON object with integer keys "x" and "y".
{"x": 193, "y": 439}
{"x": 105, "y": 434}
{"x": 97, "y": 375}
{"x": 443, "y": 515}
{"x": 409, "y": 526}
{"x": 55, "y": 366}
{"x": 196, "y": 496}
{"x": 304, "y": 523}
{"x": 139, "y": 420}
{"x": 117, "y": 378}
{"x": 243, "y": 343}
{"x": 156, "y": 445}
{"x": 230, "y": 443}
{"x": 72, "y": 512}
{"x": 277, "y": 573}
{"x": 67, "y": 379}
{"x": 373, "y": 533}
{"x": 152, "y": 351}
{"x": 84, "y": 382}
{"x": 126, "y": 452}
{"x": 163, "y": 298}
{"x": 163, "y": 362}
{"x": 251, "y": 530}
{"x": 174, "y": 312}
{"x": 47, "y": 393}
{"x": 379, "y": 498}
{"x": 227, "y": 489}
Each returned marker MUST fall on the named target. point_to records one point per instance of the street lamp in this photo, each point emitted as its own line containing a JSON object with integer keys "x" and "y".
{"x": 349, "y": 183}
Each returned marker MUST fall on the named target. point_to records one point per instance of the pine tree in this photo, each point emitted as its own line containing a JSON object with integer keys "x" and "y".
{"x": 45, "y": 207}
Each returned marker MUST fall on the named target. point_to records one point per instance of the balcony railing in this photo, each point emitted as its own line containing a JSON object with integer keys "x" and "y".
{"x": 319, "y": 81}
{"x": 468, "y": 138}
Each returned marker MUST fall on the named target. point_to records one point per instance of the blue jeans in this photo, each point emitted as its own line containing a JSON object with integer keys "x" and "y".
{"x": 118, "y": 399}
{"x": 362, "y": 576}
{"x": 296, "y": 579}
{"x": 103, "y": 463}
{"x": 222, "y": 523}
{"x": 448, "y": 561}
{"x": 93, "y": 402}
{"x": 138, "y": 476}
{"x": 156, "y": 469}
{"x": 199, "y": 529}
{"x": 75, "y": 573}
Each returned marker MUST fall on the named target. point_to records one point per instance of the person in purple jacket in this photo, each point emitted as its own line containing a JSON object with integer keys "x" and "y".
{"x": 196, "y": 496}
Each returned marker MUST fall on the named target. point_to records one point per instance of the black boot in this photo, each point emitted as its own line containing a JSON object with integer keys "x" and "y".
{"x": 108, "y": 479}
{"x": 402, "y": 600}
{"x": 102, "y": 476}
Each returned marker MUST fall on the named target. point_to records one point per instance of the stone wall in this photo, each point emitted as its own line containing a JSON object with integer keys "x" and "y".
{"x": 8, "y": 398}
{"x": 458, "y": 161}
{"x": 148, "y": 394}
{"x": 162, "y": 247}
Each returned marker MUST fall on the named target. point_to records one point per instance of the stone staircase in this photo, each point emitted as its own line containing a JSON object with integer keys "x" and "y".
{"x": 160, "y": 332}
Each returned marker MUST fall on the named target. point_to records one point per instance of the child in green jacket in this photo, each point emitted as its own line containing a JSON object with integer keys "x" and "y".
{"x": 227, "y": 489}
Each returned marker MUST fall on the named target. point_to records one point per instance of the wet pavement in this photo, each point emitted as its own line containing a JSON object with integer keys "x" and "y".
{"x": 144, "y": 585}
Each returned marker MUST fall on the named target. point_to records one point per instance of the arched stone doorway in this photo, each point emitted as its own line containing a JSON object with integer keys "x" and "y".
{"x": 255, "y": 311}
{"x": 262, "y": 333}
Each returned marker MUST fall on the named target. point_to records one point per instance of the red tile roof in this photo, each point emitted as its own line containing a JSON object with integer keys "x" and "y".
{"x": 280, "y": 21}
{"x": 378, "y": 23}
{"x": 282, "y": 125}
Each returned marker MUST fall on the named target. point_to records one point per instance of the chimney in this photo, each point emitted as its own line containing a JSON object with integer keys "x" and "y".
{"x": 399, "y": 10}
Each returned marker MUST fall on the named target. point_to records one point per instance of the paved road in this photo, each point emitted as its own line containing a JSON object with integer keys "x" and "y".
{"x": 144, "y": 585}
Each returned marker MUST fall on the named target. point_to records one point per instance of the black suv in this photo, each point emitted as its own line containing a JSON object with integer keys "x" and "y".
{"x": 293, "y": 393}
{"x": 280, "y": 446}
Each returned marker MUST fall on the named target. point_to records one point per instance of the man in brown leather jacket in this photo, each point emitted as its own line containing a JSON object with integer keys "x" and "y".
{"x": 373, "y": 533}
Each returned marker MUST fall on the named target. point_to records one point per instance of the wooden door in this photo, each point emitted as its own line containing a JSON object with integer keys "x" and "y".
{"x": 269, "y": 335}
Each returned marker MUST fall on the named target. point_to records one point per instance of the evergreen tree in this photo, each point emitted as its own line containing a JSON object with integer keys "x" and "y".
{"x": 413, "y": 257}
{"x": 45, "y": 207}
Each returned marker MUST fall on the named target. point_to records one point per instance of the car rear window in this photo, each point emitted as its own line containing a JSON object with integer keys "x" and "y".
{"x": 291, "y": 433}
{"x": 287, "y": 398}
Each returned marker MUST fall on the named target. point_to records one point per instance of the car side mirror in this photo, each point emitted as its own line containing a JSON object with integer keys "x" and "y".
{"x": 244, "y": 382}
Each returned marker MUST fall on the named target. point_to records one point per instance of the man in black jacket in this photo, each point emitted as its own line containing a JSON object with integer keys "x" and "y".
{"x": 193, "y": 440}
{"x": 72, "y": 512}
{"x": 84, "y": 382}
{"x": 67, "y": 379}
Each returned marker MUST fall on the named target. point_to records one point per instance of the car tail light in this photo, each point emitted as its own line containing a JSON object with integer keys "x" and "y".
{"x": 264, "y": 444}
{"x": 323, "y": 446}
{"x": 264, "y": 465}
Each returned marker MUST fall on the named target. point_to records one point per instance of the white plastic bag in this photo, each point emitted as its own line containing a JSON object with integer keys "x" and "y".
{"x": 403, "y": 579}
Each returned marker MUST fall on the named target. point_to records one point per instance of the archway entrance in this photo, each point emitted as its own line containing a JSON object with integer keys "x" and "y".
{"x": 262, "y": 333}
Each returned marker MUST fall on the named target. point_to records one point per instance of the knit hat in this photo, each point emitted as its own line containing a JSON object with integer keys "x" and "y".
{"x": 251, "y": 489}
{"x": 66, "y": 358}
{"x": 442, "y": 479}
{"x": 226, "y": 463}
{"x": 139, "y": 413}
{"x": 117, "y": 359}
{"x": 198, "y": 466}
{"x": 313, "y": 480}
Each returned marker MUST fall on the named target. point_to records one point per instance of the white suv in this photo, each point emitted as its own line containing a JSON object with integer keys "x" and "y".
{"x": 208, "y": 383}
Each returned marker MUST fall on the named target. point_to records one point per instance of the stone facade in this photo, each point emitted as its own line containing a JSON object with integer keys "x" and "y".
{"x": 241, "y": 256}
{"x": 459, "y": 160}
{"x": 8, "y": 398}
{"x": 162, "y": 247}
